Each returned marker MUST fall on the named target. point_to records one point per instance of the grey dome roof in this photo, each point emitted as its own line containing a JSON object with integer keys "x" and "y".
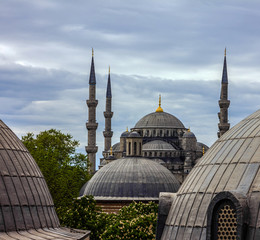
{"x": 157, "y": 145}
{"x": 231, "y": 164}
{"x": 116, "y": 147}
{"x": 131, "y": 179}
{"x": 25, "y": 200}
{"x": 188, "y": 135}
{"x": 125, "y": 134}
{"x": 159, "y": 120}
{"x": 134, "y": 134}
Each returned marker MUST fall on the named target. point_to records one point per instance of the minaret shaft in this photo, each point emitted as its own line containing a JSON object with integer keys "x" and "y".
{"x": 223, "y": 102}
{"x": 92, "y": 125}
{"x": 108, "y": 114}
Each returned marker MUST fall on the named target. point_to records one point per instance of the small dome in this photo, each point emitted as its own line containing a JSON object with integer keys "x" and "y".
{"x": 116, "y": 147}
{"x": 131, "y": 178}
{"x": 188, "y": 134}
{"x": 231, "y": 165}
{"x": 159, "y": 120}
{"x": 158, "y": 145}
{"x": 134, "y": 135}
{"x": 125, "y": 134}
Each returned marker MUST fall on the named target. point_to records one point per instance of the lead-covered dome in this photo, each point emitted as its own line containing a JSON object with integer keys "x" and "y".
{"x": 159, "y": 120}
{"x": 131, "y": 179}
{"x": 157, "y": 145}
{"x": 26, "y": 206}
{"x": 226, "y": 177}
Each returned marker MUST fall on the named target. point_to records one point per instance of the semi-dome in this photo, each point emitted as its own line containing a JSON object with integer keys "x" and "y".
{"x": 226, "y": 180}
{"x": 116, "y": 147}
{"x": 125, "y": 134}
{"x": 157, "y": 145}
{"x": 26, "y": 205}
{"x": 134, "y": 134}
{"x": 131, "y": 178}
{"x": 189, "y": 134}
{"x": 159, "y": 120}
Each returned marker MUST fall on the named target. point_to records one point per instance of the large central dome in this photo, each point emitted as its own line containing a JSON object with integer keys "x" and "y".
{"x": 159, "y": 120}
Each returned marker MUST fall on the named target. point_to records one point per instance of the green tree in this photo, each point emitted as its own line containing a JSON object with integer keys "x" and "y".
{"x": 136, "y": 221}
{"x": 64, "y": 170}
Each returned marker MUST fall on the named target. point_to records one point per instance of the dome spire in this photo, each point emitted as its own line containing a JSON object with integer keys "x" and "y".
{"x": 159, "y": 109}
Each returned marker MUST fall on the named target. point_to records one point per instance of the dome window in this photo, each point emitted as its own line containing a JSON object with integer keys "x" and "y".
{"x": 226, "y": 216}
{"x": 224, "y": 221}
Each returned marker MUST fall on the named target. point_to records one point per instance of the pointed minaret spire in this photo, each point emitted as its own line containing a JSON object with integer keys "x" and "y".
{"x": 224, "y": 102}
{"x": 92, "y": 125}
{"x": 108, "y": 114}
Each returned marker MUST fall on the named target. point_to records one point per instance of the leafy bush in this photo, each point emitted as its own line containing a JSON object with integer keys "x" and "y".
{"x": 136, "y": 221}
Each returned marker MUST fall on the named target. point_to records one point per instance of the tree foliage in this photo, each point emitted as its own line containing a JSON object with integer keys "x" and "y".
{"x": 64, "y": 170}
{"x": 136, "y": 221}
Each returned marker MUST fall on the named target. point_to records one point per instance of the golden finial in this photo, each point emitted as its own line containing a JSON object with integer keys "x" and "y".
{"x": 111, "y": 151}
{"x": 159, "y": 109}
{"x": 109, "y": 69}
{"x": 203, "y": 151}
{"x": 189, "y": 129}
{"x": 92, "y": 52}
{"x": 127, "y": 129}
{"x": 225, "y": 52}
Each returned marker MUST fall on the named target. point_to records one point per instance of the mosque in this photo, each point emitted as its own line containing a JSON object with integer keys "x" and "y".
{"x": 155, "y": 156}
{"x": 219, "y": 198}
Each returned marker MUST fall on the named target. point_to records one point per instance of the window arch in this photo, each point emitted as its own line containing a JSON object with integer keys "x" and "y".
{"x": 225, "y": 216}
{"x": 224, "y": 221}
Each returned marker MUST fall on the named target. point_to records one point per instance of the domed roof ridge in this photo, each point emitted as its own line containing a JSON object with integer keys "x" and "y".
{"x": 159, "y": 120}
{"x": 131, "y": 178}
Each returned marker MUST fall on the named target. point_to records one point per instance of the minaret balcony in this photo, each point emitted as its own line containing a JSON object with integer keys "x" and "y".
{"x": 223, "y": 127}
{"x": 108, "y": 134}
{"x": 223, "y": 103}
{"x": 108, "y": 114}
{"x": 91, "y": 149}
{"x": 91, "y": 126}
{"x": 92, "y": 103}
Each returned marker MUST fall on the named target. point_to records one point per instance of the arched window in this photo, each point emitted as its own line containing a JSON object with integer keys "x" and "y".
{"x": 226, "y": 216}
{"x": 224, "y": 221}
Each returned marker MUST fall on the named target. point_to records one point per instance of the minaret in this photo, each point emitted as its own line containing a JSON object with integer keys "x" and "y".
{"x": 223, "y": 102}
{"x": 108, "y": 115}
{"x": 92, "y": 125}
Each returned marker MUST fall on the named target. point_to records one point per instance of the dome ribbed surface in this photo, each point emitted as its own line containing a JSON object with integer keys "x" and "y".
{"x": 116, "y": 147}
{"x": 25, "y": 199}
{"x": 159, "y": 120}
{"x": 231, "y": 164}
{"x": 26, "y": 205}
{"x": 158, "y": 145}
{"x": 131, "y": 178}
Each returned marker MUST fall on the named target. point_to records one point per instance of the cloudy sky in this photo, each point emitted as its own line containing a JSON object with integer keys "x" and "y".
{"x": 170, "y": 47}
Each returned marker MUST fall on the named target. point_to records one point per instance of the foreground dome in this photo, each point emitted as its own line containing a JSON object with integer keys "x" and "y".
{"x": 26, "y": 205}
{"x": 220, "y": 198}
{"x": 131, "y": 178}
{"x": 159, "y": 120}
